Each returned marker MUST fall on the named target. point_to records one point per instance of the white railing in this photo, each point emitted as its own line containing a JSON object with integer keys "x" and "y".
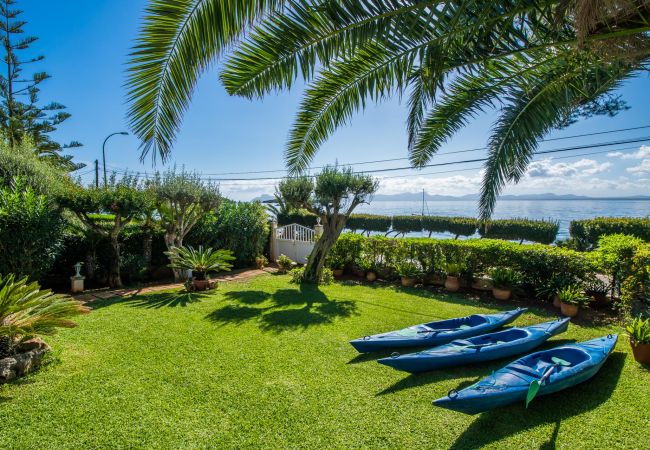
{"x": 295, "y": 232}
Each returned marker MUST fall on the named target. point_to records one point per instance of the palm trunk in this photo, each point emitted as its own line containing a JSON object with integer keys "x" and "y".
{"x": 147, "y": 252}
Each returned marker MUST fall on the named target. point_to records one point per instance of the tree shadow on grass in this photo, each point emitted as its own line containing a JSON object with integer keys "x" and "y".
{"x": 289, "y": 309}
{"x": 495, "y": 425}
{"x": 153, "y": 300}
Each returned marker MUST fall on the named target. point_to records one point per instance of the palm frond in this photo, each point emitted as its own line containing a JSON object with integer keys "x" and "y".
{"x": 179, "y": 40}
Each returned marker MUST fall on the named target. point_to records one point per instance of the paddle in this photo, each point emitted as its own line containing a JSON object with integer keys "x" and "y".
{"x": 534, "y": 386}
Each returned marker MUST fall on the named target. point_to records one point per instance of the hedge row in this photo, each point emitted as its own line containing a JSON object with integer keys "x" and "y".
{"x": 536, "y": 263}
{"x": 541, "y": 231}
{"x": 586, "y": 233}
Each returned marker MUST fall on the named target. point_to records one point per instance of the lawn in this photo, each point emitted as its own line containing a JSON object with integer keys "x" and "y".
{"x": 266, "y": 364}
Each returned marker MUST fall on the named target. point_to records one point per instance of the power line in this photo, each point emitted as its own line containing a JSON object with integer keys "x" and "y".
{"x": 455, "y": 152}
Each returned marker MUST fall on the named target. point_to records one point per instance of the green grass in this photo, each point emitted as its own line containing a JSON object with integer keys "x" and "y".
{"x": 266, "y": 364}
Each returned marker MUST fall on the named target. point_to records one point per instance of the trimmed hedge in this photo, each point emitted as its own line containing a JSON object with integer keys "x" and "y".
{"x": 536, "y": 263}
{"x": 305, "y": 219}
{"x": 459, "y": 226}
{"x": 586, "y": 233}
{"x": 407, "y": 224}
{"x": 369, "y": 223}
{"x": 540, "y": 231}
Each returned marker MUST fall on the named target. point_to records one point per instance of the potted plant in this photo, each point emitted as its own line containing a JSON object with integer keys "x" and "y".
{"x": 597, "y": 289}
{"x": 571, "y": 299}
{"x": 550, "y": 290}
{"x": 261, "y": 261}
{"x": 408, "y": 273}
{"x": 503, "y": 280}
{"x": 639, "y": 332}
{"x": 336, "y": 263}
{"x": 285, "y": 264}
{"x": 201, "y": 262}
{"x": 453, "y": 271}
{"x": 369, "y": 266}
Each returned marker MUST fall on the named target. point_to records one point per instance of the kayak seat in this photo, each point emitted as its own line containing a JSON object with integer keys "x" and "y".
{"x": 525, "y": 370}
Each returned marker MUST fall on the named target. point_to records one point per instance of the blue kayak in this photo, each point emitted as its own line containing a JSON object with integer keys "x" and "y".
{"x": 486, "y": 347}
{"x": 567, "y": 365}
{"x": 436, "y": 333}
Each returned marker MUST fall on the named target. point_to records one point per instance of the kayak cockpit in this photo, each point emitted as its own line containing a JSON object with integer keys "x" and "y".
{"x": 498, "y": 338}
{"x": 458, "y": 323}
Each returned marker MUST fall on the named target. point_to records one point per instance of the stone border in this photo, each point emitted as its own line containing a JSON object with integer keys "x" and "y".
{"x": 32, "y": 352}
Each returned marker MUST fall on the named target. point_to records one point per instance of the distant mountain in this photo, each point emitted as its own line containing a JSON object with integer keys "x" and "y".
{"x": 415, "y": 196}
{"x": 264, "y": 198}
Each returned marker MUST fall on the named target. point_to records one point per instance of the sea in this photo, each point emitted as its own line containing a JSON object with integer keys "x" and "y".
{"x": 562, "y": 210}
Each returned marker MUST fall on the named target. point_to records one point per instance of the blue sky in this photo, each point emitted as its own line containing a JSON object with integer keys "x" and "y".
{"x": 86, "y": 44}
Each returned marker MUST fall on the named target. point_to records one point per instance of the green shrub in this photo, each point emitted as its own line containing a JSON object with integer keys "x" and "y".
{"x": 407, "y": 269}
{"x": 586, "y": 233}
{"x": 241, "y": 227}
{"x": 30, "y": 231}
{"x": 303, "y": 218}
{"x": 537, "y": 264}
{"x": 614, "y": 257}
{"x": 555, "y": 284}
{"x": 407, "y": 224}
{"x": 369, "y": 223}
{"x": 458, "y": 226}
{"x": 297, "y": 275}
{"x": 201, "y": 261}
{"x": 454, "y": 268}
{"x": 540, "y": 231}
{"x": 285, "y": 263}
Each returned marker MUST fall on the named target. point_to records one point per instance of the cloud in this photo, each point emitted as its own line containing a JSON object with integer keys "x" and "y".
{"x": 643, "y": 152}
{"x": 642, "y": 168}
{"x": 584, "y": 167}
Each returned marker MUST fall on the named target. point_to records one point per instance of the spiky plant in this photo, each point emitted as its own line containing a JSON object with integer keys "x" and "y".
{"x": 540, "y": 63}
{"x": 27, "y": 311}
{"x": 200, "y": 261}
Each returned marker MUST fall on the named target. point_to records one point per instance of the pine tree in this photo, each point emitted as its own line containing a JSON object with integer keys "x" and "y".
{"x": 21, "y": 115}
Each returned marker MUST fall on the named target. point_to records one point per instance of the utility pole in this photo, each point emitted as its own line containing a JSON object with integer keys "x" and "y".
{"x": 96, "y": 174}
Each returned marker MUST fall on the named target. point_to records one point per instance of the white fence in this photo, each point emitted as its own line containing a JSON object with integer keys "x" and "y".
{"x": 295, "y": 241}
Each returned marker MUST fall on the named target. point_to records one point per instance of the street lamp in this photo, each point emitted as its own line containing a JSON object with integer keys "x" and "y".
{"x": 123, "y": 133}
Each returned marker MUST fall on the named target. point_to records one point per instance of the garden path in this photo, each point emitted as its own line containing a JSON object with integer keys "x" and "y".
{"x": 106, "y": 293}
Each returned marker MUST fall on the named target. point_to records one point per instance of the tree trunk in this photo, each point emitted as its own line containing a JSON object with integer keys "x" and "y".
{"x": 147, "y": 252}
{"x": 316, "y": 261}
{"x": 91, "y": 263}
{"x": 174, "y": 240}
{"x": 114, "y": 278}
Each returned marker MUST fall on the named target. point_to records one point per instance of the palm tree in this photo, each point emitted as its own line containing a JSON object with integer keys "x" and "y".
{"x": 541, "y": 63}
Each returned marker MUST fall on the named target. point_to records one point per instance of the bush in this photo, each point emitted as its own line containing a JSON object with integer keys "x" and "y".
{"x": 536, "y": 263}
{"x": 30, "y": 232}
{"x": 407, "y": 224}
{"x": 285, "y": 263}
{"x": 573, "y": 295}
{"x": 504, "y": 278}
{"x": 241, "y": 227}
{"x": 303, "y": 218}
{"x": 458, "y": 226}
{"x": 369, "y": 223}
{"x": 540, "y": 231}
{"x": 297, "y": 275}
{"x": 586, "y": 233}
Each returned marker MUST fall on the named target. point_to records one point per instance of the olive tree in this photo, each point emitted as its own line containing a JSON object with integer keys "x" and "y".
{"x": 182, "y": 199}
{"x": 106, "y": 211}
{"x": 332, "y": 196}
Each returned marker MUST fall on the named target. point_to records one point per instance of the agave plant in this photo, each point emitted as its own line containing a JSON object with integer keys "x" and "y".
{"x": 200, "y": 261}
{"x": 27, "y": 311}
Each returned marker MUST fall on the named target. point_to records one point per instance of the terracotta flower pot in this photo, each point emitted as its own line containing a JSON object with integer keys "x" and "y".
{"x": 641, "y": 352}
{"x": 408, "y": 282}
{"x": 338, "y": 273}
{"x": 371, "y": 276}
{"x": 501, "y": 294}
{"x": 452, "y": 284}
{"x": 201, "y": 285}
{"x": 569, "y": 310}
{"x": 556, "y": 301}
